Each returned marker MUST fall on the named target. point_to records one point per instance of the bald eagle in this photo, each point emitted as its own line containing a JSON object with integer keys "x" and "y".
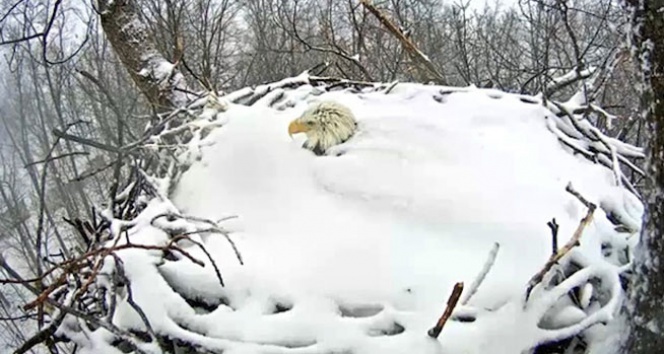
{"x": 326, "y": 124}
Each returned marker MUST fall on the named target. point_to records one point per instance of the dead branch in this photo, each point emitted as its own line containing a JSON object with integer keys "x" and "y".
{"x": 411, "y": 48}
{"x": 58, "y": 157}
{"x": 89, "y": 142}
{"x": 41, "y": 336}
{"x": 570, "y": 189}
{"x": 214, "y": 228}
{"x": 573, "y": 242}
{"x": 553, "y": 225}
{"x": 95, "y": 172}
{"x": 115, "y": 330}
{"x": 39, "y": 301}
{"x": 451, "y": 304}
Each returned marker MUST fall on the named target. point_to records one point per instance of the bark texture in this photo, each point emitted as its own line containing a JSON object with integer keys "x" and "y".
{"x": 644, "y": 307}
{"x": 155, "y": 76}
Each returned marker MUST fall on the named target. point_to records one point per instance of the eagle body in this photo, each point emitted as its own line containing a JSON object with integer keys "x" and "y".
{"x": 326, "y": 124}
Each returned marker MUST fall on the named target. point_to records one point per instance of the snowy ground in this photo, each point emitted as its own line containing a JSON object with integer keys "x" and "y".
{"x": 357, "y": 253}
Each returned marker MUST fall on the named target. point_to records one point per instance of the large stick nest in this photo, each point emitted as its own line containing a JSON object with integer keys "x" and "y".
{"x": 82, "y": 294}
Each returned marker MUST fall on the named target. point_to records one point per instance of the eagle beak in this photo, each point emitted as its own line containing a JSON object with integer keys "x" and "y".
{"x": 296, "y": 127}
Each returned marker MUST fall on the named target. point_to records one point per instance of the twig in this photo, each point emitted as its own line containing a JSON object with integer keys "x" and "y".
{"x": 570, "y": 189}
{"x": 130, "y": 298}
{"x": 338, "y": 51}
{"x": 77, "y": 139}
{"x": 553, "y": 225}
{"x": 17, "y": 277}
{"x": 209, "y": 256}
{"x": 115, "y": 330}
{"x": 319, "y": 68}
{"x": 391, "y": 87}
{"x": 573, "y": 242}
{"x": 482, "y": 275}
{"x": 451, "y": 304}
{"x": 53, "y": 158}
{"x": 607, "y": 156}
{"x": 19, "y": 318}
{"x": 94, "y": 172}
{"x": 225, "y": 218}
{"x": 103, "y": 90}
{"x": 114, "y": 280}
{"x": 406, "y": 42}
{"x": 336, "y": 80}
{"x": 39, "y": 301}
{"x": 41, "y": 336}
{"x": 76, "y": 264}
{"x": 214, "y": 227}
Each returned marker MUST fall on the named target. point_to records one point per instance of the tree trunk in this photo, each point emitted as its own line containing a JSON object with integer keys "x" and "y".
{"x": 644, "y": 306}
{"x": 156, "y": 77}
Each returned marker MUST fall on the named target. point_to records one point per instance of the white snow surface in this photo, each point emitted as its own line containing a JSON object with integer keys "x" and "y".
{"x": 380, "y": 230}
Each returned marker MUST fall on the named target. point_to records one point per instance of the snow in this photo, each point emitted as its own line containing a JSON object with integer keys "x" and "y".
{"x": 571, "y": 76}
{"x": 358, "y": 251}
{"x": 412, "y": 205}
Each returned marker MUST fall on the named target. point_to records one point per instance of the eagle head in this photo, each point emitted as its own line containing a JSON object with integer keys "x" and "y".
{"x": 326, "y": 124}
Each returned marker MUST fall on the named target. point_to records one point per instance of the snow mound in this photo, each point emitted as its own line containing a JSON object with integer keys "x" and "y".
{"x": 411, "y": 205}
{"x": 357, "y": 251}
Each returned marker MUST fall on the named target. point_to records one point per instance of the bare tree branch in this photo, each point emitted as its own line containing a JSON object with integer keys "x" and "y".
{"x": 422, "y": 59}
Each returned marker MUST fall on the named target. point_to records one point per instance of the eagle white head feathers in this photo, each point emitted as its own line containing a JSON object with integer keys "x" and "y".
{"x": 326, "y": 124}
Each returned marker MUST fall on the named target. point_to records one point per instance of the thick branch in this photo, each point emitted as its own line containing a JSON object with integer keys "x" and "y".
{"x": 157, "y": 78}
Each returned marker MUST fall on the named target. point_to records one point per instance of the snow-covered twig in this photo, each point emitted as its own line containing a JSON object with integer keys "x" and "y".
{"x": 126, "y": 336}
{"x": 213, "y": 227}
{"x": 616, "y": 166}
{"x": 570, "y": 189}
{"x": 47, "y": 332}
{"x": 573, "y": 76}
{"x": 573, "y": 242}
{"x": 491, "y": 259}
{"x": 130, "y": 298}
{"x": 214, "y": 264}
{"x": 602, "y": 155}
{"x": 41, "y": 336}
{"x": 609, "y": 278}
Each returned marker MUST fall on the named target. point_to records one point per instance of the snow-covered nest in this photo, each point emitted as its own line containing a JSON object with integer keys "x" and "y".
{"x": 358, "y": 251}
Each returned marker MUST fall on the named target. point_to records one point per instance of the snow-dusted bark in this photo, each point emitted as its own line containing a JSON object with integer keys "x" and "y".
{"x": 644, "y": 307}
{"x": 155, "y": 76}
